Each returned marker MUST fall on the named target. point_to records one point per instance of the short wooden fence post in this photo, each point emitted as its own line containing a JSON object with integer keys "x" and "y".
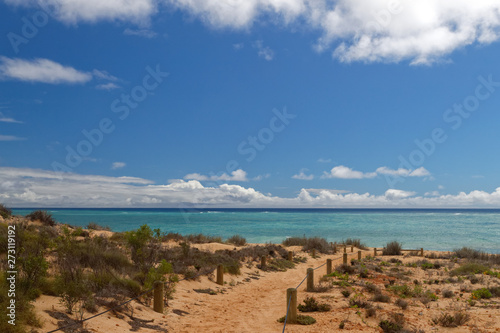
{"x": 421, "y": 251}
{"x": 220, "y": 275}
{"x": 359, "y": 255}
{"x": 345, "y": 259}
{"x": 290, "y": 255}
{"x": 158, "y": 297}
{"x": 310, "y": 279}
{"x": 291, "y": 305}
{"x": 352, "y": 248}
{"x": 314, "y": 253}
{"x": 375, "y": 252}
{"x": 345, "y": 249}
{"x": 263, "y": 261}
{"x": 328, "y": 266}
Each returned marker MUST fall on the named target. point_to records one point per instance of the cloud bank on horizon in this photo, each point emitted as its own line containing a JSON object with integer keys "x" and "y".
{"x": 23, "y": 187}
{"x": 421, "y": 32}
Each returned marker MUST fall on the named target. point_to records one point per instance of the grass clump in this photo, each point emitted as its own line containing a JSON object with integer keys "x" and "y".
{"x": 469, "y": 268}
{"x": 394, "y": 324}
{"x": 237, "y": 240}
{"x": 4, "y": 211}
{"x": 356, "y": 243}
{"x": 312, "y": 305}
{"x": 97, "y": 227}
{"x": 401, "y": 303}
{"x": 481, "y": 293}
{"x": 301, "y": 320}
{"x": 392, "y": 249}
{"x": 308, "y": 244}
{"x": 381, "y": 298}
{"x": 447, "y": 320}
{"x": 448, "y": 293}
{"x": 43, "y": 216}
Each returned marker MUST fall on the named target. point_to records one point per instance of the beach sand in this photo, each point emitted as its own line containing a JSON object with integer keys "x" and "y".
{"x": 254, "y": 300}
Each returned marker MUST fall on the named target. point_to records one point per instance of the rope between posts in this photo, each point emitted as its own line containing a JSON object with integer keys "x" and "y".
{"x": 122, "y": 304}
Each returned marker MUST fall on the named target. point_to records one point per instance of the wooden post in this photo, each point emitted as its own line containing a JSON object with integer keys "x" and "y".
{"x": 345, "y": 249}
{"x": 158, "y": 297}
{"x": 374, "y": 251}
{"x": 345, "y": 259}
{"x": 291, "y": 305}
{"x": 290, "y": 255}
{"x": 421, "y": 251}
{"x": 314, "y": 253}
{"x": 220, "y": 275}
{"x": 352, "y": 248}
{"x": 310, "y": 279}
{"x": 359, "y": 255}
{"x": 328, "y": 266}
{"x": 263, "y": 261}
{"x": 335, "y": 247}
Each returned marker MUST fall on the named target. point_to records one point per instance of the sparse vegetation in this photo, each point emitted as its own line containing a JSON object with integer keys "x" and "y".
{"x": 4, "y": 211}
{"x": 237, "y": 240}
{"x": 301, "y": 320}
{"x": 312, "y": 305}
{"x": 392, "y": 249}
{"x": 447, "y": 320}
{"x": 308, "y": 244}
{"x": 356, "y": 243}
{"x": 43, "y": 216}
{"x": 97, "y": 227}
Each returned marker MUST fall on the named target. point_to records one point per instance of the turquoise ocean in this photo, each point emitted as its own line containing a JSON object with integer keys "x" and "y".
{"x": 431, "y": 229}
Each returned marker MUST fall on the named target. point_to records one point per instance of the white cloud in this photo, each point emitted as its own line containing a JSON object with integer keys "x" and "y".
{"x": 401, "y": 172}
{"x": 260, "y": 177}
{"x": 5, "y": 119}
{"x": 264, "y": 52}
{"x": 40, "y": 70}
{"x": 107, "y": 86}
{"x": 146, "y": 33}
{"x": 10, "y": 138}
{"x": 40, "y": 188}
{"x": 236, "y": 176}
{"x": 369, "y": 31}
{"x": 344, "y": 172}
{"x": 324, "y": 160}
{"x": 118, "y": 165}
{"x": 74, "y": 11}
{"x": 421, "y": 32}
{"x": 104, "y": 75}
{"x": 303, "y": 176}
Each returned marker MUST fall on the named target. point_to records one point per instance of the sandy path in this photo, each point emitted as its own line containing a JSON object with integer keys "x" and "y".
{"x": 249, "y": 307}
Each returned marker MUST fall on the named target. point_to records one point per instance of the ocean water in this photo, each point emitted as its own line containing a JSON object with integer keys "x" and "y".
{"x": 430, "y": 229}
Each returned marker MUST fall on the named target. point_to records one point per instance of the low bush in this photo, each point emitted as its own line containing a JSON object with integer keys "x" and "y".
{"x": 312, "y": 305}
{"x": 43, "y": 216}
{"x": 448, "y": 293}
{"x": 237, "y": 240}
{"x": 447, "y": 320}
{"x": 469, "y": 268}
{"x": 481, "y": 293}
{"x": 392, "y": 249}
{"x": 4, "y": 211}
{"x": 381, "y": 298}
{"x": 401, "y": 303}
{"x": 95, "y": 226}
{"x": 301, "y": 320}
{"x": 356, "y": 243}
{"x": 395, "y": 324}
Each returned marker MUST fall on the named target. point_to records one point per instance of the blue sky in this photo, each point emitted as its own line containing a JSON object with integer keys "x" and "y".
{"x": 265, "y": 104}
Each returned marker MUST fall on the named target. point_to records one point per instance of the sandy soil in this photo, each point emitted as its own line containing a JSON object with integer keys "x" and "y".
{"x": 254, "y": 300}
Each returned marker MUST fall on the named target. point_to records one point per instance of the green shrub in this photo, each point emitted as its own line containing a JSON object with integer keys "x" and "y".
{"x": 237, "y": 240}
{"x": 301, "y": 320}
{"x": 95, "y": 226}
{"x": 401, "y": 303}
{"x": 469, "y": 268}
{"x": 393, "y": 325}
{"x": 392, "y": 249}
{"x": 381, "y": 298}
{"x": 481, "y": 293}
{"x": 202, "y": 239}
{"x": 346, "y": 293}
{"x": 495, "y": 291}
{"x": 43, "y": 216}
{"x": 448, "y": 293}
{"x": 312, "y": 305}
{"x": 308, "y": 244}
{"x": 356, "y": 243}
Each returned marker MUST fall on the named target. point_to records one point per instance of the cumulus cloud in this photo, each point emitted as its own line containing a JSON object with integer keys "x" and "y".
{"x": 264, "y": 52}
{"x": 421, "y": 32}
{"x": 74, "y": 11}
{"x": 302, "y": 176}
{"x": 344, "y": 172}
{"x": 118, "y": 165}
{"x": 40, "y": 70}
{"x": 236, "y": 176}
{"x": 22, "y": 187}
